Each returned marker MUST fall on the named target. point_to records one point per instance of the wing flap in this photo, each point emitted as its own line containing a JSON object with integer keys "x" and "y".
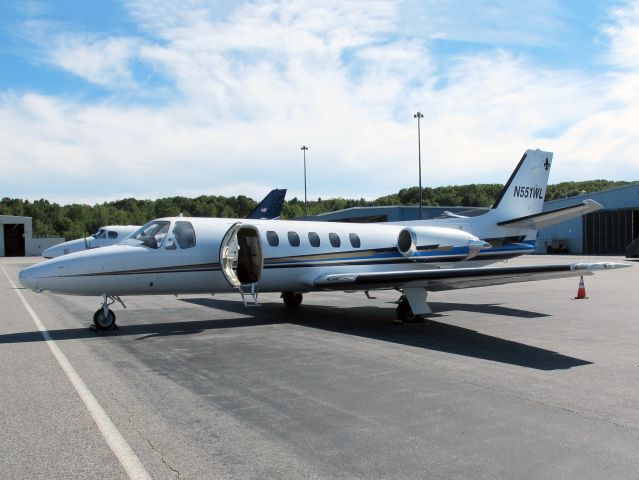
{"x": 457, "y": 278}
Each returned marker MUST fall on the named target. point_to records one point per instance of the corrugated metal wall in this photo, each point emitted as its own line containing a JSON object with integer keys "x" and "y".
{"x": 607, "y": 229}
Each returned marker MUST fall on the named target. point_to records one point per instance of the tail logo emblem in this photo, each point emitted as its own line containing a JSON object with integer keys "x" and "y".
{"x": 547, "y": 165}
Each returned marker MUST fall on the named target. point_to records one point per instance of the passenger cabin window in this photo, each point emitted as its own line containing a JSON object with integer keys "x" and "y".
{"x": 150, "y": 235}
{"x": 355, "y": 242}
{"x": 314, "y": 239}
{"x": 184, "y": 234}
{"x": 112, "y": 235}
{"x": 272, "y": 238}
{"x": 294, "y": 239}
{"x": 334, "y": 239}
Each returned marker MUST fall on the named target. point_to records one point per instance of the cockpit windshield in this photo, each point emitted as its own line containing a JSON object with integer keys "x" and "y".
{"x": 101, "y": 233}
{"x": 150, "y": 235}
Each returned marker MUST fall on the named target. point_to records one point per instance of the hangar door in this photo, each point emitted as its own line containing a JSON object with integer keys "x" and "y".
{"x": 609, "y": 231}
{"x": 13, "y": 240}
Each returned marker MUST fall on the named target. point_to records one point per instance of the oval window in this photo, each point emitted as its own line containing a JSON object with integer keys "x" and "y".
{"x": 355, "y": 242}
{"x": 294, "y": 239}
{"x": 334, "y": 239}
{"x": 314, "y": 239}
{"x": 272, "y": 238}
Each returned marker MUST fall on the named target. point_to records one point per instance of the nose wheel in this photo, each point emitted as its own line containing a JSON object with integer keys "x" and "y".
{"x": 102, "y": 322}
{"x": 104, "y": 317}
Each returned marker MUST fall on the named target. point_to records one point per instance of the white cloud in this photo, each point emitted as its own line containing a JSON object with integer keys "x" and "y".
{"x": 341, "y": 77}
{"x": 104, "y": 62}
{"x": 623, "y": 32}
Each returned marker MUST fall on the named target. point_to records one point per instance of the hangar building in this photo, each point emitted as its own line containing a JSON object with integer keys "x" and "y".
{"x": 607, "y": 231}
{"x": 16, "y": 238}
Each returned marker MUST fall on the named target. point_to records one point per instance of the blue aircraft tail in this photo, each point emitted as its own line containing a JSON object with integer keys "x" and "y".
{"x": 271, "y": 207}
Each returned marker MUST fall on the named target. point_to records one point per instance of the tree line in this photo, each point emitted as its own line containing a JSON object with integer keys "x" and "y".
{"x": 76, "y": 220}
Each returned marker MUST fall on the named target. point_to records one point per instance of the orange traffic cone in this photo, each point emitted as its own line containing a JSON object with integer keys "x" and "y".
{"x": 581, "y": 291}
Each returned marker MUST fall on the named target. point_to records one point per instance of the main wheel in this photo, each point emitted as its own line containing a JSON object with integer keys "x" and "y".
{"x": 101, "y": 322}
{"x": 405, "y": 313}
{"x": 292, "y": 299}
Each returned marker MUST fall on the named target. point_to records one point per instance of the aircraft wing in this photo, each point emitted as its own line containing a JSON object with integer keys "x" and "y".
{"x": 552, "y": 217}
{"x": 457, "y": 278}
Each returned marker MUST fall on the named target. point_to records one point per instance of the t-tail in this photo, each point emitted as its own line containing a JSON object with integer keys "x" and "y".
{"x": 518, "y": 213}
{"x": 523, "y": 195}
{"x": 270, "y": 207}
{"x": 519, "y": 208}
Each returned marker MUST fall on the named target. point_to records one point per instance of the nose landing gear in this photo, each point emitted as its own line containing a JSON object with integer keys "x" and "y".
{"x": 104, "y": 318}
{"x": 104, "y": 322}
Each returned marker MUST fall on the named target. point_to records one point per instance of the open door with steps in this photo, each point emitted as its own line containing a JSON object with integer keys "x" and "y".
{"x": 242, "y": 260}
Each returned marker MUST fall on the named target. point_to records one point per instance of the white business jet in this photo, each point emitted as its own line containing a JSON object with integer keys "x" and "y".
{"x": 269, "y": 208}
{"x": 104, "y": 237}
{"x": 204, "y": 255}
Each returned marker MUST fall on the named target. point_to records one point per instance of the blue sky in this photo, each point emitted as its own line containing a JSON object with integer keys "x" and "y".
{"x": 153, "y": 98}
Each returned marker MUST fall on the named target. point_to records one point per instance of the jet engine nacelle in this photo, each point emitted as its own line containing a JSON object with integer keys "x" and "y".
{"x": 410, "y": 240}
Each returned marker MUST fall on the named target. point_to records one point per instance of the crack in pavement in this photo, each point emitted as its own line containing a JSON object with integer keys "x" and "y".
{"x": 132, "y": 426}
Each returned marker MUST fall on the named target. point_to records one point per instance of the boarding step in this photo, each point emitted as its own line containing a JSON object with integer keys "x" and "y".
{"x": 248, "y": 291}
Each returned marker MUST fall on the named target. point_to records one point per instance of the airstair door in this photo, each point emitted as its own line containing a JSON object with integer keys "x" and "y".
{"x": 241, "y": 260}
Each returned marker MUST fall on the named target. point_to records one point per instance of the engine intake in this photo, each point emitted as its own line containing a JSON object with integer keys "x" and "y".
{"x": 407, "y": 242}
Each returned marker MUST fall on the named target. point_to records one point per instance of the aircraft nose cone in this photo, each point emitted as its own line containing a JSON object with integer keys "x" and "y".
{"x": 41, "y": 276}
{"x": 52, "y": 252}
{"x": 67, "y": 247}
{"x": 26, "y": 278}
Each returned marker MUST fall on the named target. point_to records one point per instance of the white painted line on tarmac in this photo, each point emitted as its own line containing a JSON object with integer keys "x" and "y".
{"x": 122, "y": 450}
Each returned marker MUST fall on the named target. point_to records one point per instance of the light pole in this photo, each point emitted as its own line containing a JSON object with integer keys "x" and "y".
{"x": 304, "y": 148}
{"x": 419, "y": 153}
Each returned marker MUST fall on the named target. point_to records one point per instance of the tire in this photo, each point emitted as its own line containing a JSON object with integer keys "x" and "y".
{"x": 292, "y": 299}
{"x": 102, "y": 323}
{"x": 405, "y": 313}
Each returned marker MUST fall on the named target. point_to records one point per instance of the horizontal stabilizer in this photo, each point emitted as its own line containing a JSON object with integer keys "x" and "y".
{"x": 552, "y": 217}
{"x": 456, "y": 278}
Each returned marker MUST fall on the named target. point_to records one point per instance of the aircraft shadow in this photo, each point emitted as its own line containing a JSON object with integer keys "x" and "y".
{"x": 374, "y": 323}
{"x": 366, "y": 322}
{"x": 490, "y": 308}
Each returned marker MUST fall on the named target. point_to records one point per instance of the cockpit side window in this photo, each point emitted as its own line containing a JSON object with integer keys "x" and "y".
{"x": 184, "y": 234}
{"x": 111, "y": 234}
{"x": 150, "y": 235}
{"x": 101, "y": 233}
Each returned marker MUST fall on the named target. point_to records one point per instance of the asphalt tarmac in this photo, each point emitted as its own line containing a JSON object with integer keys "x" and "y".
{"x": 518, "y": 381}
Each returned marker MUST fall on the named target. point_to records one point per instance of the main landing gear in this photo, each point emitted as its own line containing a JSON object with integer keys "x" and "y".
{"x": 292, "y": 299}
{"x": 104, "y": 318}
{"x": 405, "y": 313}
{"x": 412, "y": 300}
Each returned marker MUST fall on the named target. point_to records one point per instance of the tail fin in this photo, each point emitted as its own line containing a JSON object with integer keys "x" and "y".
{"x": 269, "y": 208}
{"x": 524, "y": 193}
